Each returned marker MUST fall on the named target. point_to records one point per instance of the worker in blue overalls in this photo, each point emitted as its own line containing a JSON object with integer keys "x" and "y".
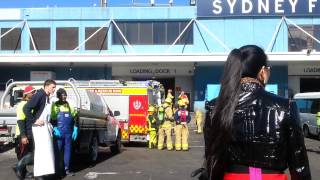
{"x": 65, "y": 129}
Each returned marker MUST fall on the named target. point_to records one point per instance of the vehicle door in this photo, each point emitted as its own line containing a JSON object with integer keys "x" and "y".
{"x": 138, "y": 108}
{"x": 112, "y": 125}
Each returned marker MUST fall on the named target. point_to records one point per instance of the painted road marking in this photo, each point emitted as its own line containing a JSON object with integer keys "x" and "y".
{"x": 197, "y": 146}
{"x": 194, "y": 141}
{"x": 94, "y": 175}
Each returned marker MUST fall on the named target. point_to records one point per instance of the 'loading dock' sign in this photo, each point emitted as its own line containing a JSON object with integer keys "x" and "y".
{"x": 225, "y": 8}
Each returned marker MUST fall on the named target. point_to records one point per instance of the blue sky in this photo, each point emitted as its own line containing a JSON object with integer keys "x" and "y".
{"x": 76, "y": 3}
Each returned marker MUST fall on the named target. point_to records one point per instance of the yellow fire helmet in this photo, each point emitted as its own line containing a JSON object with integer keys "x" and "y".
{"x": 168, "y": 100}
{"x": 161, "y": 109}
{"x": 181, "y": 103}
{"x": 165, "y": 104}
{"x": 151, "y": 109}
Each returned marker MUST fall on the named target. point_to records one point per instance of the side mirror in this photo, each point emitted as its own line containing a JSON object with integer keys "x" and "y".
{"x": 116, "y": 113}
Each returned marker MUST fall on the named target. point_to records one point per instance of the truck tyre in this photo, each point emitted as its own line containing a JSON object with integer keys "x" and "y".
{"x": 306, "y": 131}
{"x": 116, "y": 147}
{"x": 94, "y": 148}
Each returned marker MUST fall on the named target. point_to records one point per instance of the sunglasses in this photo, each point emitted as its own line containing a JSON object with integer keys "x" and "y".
{"x": 267, "y": 67}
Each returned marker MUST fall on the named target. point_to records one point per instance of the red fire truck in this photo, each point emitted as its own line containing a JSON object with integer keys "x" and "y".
{"x": 131, "y": 99}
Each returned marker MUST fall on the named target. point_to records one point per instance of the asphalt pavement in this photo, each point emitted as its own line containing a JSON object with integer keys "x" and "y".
{"x": 136, "y": 162}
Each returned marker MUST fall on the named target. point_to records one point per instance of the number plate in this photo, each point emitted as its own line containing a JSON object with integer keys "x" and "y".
{"x": 138, "y": 138}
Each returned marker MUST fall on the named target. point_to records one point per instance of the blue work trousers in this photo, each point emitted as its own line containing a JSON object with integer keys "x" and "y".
{"x": 64, "y": 149}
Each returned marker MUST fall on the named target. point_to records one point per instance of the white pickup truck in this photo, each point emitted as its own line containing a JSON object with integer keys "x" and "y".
{"x": 97, "y": 124}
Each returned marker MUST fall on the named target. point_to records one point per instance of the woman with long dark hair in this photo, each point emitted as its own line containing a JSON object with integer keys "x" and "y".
{"x": 253, "y": 134}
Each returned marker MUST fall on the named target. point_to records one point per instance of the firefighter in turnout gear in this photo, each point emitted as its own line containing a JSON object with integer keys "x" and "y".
{"x": 165, "y": 127}
{"x": 199, "y": 120}
{"x": 152, "y": 120}
{"x": 64, "y": 121}
{"x": 170, "y": 97}
{"x": 182, "y": 118}
{"x": 183, "y": 98}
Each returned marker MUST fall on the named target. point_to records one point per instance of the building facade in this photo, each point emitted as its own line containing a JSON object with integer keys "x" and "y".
{"x": 184, "y": 47}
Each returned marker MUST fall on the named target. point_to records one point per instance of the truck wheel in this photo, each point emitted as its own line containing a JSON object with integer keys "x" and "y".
{"x": 116, "y": 148}
{"x": 306, "y": 131}
{"x": 94, "y": 148}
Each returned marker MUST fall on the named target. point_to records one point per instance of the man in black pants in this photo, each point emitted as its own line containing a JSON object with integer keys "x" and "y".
{"x": 24, "y": 148}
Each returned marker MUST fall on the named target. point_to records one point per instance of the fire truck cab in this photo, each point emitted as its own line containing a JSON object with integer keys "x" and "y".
{"x": 132, "y": 99}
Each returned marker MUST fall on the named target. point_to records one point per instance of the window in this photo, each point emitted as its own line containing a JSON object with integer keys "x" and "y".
{"x": 315, "y": 106}
{"x": 187, "y": 37}
{"x": 67, "y": 38}
{"x": 308, "y": 105}
{"x": 116, "y": 36}
{"x": 98, "y": 41}
{"x": 172, "y": 31}
{"x": 41, "y": 37}
{"x": 299, "y": 41}
{"x": 302, "y": 105}
{"x": 158, "y": 33}
{"x": 132, "y": 33}
{"x": 12, "y": 40}
{"x": 145, "y": 34}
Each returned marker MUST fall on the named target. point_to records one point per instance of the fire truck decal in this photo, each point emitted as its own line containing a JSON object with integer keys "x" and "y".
{"x": 138, "y": 129}
{"x": 106, "y": 91}
{"x": 118, "y": 91}
{"x": 124, "y": 135}
{"x": 138, "y": 123}
{"x": 137, "y": 104}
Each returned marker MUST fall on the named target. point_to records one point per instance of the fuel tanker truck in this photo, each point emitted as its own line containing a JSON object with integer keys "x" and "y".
{"x": 97, "y": 123}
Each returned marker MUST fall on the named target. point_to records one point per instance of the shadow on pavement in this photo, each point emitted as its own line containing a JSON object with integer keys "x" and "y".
{"x": 5, "y": 148}
{"x": 314, "y": 150}
{"x": 313, "y": 137}
{"x": 136, "y": 144}
{"x": 82, "y": 161}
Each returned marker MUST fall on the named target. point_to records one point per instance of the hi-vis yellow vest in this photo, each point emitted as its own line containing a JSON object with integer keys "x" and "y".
{"x": 20, "y": 115}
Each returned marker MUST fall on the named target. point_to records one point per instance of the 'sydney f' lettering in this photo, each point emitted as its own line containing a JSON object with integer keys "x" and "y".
{"x": 261, "y": 6}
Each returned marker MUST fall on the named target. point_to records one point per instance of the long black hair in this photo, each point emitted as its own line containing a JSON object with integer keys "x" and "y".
{"x": 246, "y": 61}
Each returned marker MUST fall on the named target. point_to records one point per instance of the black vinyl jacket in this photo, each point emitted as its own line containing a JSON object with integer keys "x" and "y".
{"x": 266, "y": 133}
